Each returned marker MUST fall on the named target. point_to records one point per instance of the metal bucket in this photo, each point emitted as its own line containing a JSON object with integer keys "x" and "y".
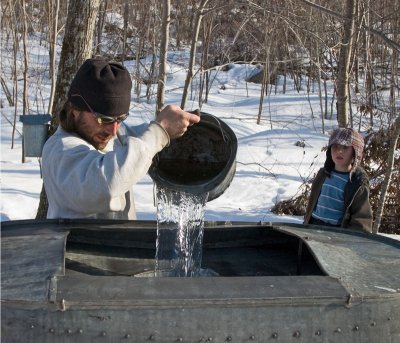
{"x": 35, "y": 133}
{"x": 202, "y": 161}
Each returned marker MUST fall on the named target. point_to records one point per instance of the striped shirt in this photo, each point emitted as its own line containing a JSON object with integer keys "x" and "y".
{"x": 330, "y": 205}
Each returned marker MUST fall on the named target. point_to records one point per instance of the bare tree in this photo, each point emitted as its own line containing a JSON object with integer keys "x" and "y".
{"x": 277, "y": 34}
{"x": 100, "y": 24}
{"x": 381, "y": 36}
{"x": 390, "y": 163}
{"x": 162, "y": 77}
{"x": 125, "y": 31}
{"x": 205, "y": 63}
{"x": 25, "y": 106}
{"x": 342, "y": 82}
{"x": 195, "y": 34}
{"x": 368, "y": 68}
{"x": 77, "y": 47}
{"x": 53, "y": 33}
{"x": 266, "y": 49}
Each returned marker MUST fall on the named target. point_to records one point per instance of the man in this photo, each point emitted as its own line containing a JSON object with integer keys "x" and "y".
{"x": 92, "y": 161}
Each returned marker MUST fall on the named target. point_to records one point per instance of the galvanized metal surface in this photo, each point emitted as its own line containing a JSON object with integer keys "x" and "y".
{"x": 35, "y": 133}
{"x": 362, "y": 262}
{"x": 211, "y": 323}
{"x": 342, "y": 306}
{"x": 28, "y": 261}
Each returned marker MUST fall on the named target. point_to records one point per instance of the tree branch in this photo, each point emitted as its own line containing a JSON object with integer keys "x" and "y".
{"x": 387, "y": 41}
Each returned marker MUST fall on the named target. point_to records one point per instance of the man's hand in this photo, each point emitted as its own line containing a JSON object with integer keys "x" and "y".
{"x": 176, "y": 121}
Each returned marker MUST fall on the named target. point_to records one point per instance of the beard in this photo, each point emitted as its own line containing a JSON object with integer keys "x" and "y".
{"x": 92, "y": 133}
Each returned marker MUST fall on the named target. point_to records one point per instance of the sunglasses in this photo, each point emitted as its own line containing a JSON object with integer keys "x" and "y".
{"x": 101, "y": 118}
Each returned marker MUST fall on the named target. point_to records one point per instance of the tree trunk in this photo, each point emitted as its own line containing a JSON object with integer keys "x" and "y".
{"x": 368, "y": 69}
{"x": 264, "y": 86}
{"x": 344, "y": 64}
{"x": 318, "y": 72}
{"x": 77, "y": 47}
{"x": 14, "y": 30}
{"x": 205, "y": 73}
{"x": 138, "y": 79}
{"x": 100, "y": 24}
{"x": 25, "y": 106}
{"x": 125, "y": 31}
{"x": 162, "y": 74}
{"x": 53, "y": 54}
{"x": 196, "y": 30}
{"x": 388, "y": 175}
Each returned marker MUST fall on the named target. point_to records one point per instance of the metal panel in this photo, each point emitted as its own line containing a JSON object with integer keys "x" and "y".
{"x": 363, "y": 262}
{"x": 27, "y": 264}
{"x": 77, "y": 291}
{"x": 357, "y": 301}
{"x": 372, "y": 322}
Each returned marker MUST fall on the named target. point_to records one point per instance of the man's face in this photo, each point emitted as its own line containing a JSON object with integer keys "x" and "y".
{"x": 90, "y": 130}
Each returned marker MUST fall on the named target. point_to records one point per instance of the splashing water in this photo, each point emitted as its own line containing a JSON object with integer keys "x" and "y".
{"x": 180, "y": 228}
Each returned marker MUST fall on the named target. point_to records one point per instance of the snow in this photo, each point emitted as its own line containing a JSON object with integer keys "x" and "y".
{"x": 271, "y": 165}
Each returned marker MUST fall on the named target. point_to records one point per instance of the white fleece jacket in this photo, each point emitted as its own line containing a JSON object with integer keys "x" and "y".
{"x": 82, "y": 182}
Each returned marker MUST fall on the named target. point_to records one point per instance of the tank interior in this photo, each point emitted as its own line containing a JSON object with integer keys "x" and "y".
{"x": 228, "y": 251}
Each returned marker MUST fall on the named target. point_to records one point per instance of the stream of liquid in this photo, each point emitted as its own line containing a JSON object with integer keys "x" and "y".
{"x": 180, "y": 228}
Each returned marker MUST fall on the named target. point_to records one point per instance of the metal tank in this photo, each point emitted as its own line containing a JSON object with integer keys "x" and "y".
{"x": 75, "y": 281}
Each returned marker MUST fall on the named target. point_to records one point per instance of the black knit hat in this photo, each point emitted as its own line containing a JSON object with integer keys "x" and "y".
{"x": 105, "y": 86}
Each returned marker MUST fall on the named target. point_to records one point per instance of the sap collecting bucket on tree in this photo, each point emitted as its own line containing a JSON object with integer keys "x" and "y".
{"x": 35, "y": 133}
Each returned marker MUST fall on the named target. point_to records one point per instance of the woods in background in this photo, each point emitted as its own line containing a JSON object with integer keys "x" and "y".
{"x": 353, "y": 44}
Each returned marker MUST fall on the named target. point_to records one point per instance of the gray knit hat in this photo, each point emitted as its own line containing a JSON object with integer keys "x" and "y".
{"x": 346, "y": 137}
{"x": 104, "y": 86}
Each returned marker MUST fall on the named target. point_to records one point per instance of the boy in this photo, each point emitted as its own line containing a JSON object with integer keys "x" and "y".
{"x": 340, "y": 191}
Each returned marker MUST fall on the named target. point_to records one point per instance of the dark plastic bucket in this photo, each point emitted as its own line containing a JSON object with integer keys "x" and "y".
{"x": 202, "y": 161}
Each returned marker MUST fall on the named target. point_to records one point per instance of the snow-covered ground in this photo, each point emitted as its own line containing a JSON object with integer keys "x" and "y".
{"x": 270, "y": 165}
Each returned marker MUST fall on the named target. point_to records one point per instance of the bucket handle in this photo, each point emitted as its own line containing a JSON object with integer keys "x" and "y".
{"x": 197, "y": 112}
